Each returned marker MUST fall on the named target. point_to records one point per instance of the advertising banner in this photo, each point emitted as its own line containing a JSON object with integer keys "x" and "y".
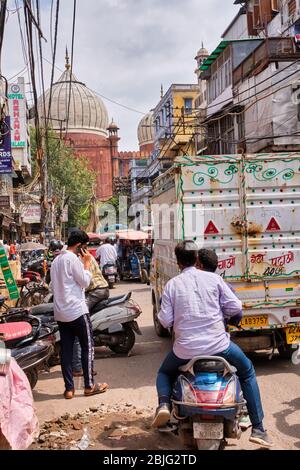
{"x": 8, "y": 276}
{"x": 32, "y": 214}
{"x": 5, "y": 149}
{"x": 17, "y": 111}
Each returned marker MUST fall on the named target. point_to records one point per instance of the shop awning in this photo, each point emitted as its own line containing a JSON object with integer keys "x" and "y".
{"x": 6, "y": 220}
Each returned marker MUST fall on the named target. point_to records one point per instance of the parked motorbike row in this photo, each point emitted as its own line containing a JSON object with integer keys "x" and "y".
{"x": 33, "y": 336}
{"x": 29, "y": 341}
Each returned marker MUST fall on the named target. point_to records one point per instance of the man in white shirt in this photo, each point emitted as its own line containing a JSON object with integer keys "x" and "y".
{"x": 107, "y": 253}
{"x": 70, "y": 277}
{"x": 6, "y": 248}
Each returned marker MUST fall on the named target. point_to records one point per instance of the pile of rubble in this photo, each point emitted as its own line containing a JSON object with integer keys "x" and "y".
{"x": 93, "y": 427}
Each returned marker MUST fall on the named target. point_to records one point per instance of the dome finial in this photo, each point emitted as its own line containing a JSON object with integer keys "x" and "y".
{"x": 68, "y": 66}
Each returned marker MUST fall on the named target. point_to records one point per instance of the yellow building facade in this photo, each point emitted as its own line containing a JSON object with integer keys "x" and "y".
{"x": 175, "y": 122}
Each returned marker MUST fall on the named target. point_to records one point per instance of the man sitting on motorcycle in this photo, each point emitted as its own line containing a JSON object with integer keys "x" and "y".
{"x": 195, "y": 304}
{"x": 107, "y": 253}
{"x": 98, "y": 290}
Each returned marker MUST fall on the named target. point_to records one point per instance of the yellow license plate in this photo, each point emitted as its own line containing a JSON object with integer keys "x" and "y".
{"x": 257, "y": 321}
{"x": 293, "y": 334}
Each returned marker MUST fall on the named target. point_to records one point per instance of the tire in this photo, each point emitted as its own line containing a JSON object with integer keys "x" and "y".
{"x": 286, "y": 351}
{"x": 159, "y": 329}
{"x": 111, "y": 285}
{"x": 32, "y": 376}
{"x": 144, "y": 276}
{"x": 128, "y": 341}
{"x": 187, "y": 437}
{"x": 54, "y": 359}
{"x": 207, "y": 444}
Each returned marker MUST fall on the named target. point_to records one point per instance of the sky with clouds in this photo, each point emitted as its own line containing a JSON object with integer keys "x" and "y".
{"x": 125, "y": 49}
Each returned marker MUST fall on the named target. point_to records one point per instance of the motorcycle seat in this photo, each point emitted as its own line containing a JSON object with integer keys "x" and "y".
{"x": 15, "y": 330}
{"x": 42, "y": 309}
{"x": 209, "y": 366}
{"x": 22, "y": 282}
{"x": 119, "y": 298}
{"x": 110, "y": 302}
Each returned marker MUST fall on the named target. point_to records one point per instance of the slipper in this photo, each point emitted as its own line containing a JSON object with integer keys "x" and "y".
{"x": 97, "y": 388}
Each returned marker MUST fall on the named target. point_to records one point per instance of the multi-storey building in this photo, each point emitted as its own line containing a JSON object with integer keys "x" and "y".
{"x": 175, "y": 123}
{"x": 253, "y": 83}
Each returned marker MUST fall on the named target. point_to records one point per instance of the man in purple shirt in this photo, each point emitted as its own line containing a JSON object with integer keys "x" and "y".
{"x": 196, "y": 303}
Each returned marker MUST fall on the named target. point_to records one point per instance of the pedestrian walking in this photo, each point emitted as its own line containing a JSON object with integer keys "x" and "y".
{"x": 13, "y": 251}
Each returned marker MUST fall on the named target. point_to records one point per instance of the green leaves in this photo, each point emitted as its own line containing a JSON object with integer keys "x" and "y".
{"x": 71, "y": 180}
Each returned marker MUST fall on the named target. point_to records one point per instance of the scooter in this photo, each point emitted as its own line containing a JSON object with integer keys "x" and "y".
{"x": 110, "y": 273}
{"x": 113, "y": 323}
{"x": 30, "y": 343}
{"x": 208, "y": 403}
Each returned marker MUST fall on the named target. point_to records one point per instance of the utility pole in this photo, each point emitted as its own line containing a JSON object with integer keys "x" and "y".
{"x": 42, "y": 159}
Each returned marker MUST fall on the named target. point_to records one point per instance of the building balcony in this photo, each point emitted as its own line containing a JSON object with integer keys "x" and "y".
{"x": 140, "y": 194}
{"x": 271, "y": 50}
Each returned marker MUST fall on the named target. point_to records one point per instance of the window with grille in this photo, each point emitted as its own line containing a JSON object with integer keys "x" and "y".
{"x": 292, "y": 6}
{"x": 188, "y": 105}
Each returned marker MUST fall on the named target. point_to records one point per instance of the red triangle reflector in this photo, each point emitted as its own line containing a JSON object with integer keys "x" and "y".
{"x": 273, "y": 226}
{"x": 211, "y": 229}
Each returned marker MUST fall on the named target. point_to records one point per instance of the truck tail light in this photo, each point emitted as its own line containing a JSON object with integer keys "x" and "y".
{"x": 295, "y": 312}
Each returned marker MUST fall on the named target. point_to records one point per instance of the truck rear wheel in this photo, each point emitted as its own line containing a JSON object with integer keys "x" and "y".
{"x": 286, "y": 351}
{"x": 159, "y": 329}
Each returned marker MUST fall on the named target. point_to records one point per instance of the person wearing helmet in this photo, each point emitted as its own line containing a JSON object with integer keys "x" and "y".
{"x": 54, "y": 250}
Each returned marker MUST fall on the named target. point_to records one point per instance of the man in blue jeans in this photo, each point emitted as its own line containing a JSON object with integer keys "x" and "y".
{"x": 197, "y": 304}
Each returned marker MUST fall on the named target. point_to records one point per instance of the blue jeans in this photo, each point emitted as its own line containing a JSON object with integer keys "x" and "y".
{"x": 234, "y": 355}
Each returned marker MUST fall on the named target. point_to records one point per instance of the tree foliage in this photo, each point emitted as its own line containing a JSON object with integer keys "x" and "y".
{"x": 71, "y": 180}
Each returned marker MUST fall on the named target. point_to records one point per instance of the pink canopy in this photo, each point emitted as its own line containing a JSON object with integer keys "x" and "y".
{"x": 132, "y": 235}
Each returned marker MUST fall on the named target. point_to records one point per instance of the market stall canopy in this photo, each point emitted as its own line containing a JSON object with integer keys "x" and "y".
{"x": 132, "y": 235}
{"x": 32, "y": 246}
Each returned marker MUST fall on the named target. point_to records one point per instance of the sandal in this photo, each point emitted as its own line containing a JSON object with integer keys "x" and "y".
{"x": 68, "y": 394}
{"x": 97, "y": 388}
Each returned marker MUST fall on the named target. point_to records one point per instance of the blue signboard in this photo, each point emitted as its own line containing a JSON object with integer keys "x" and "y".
{"x": 5, "y": 149}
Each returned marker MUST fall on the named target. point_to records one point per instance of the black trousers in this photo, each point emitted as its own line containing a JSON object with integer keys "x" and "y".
{"x": 80, "y": 328}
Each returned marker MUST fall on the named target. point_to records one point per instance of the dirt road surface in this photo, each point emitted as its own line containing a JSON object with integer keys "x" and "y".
{"x": 132, "y": 384}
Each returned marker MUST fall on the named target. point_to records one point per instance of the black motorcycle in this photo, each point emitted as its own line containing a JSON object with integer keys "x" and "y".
{"x": 110, "y": 273}
{"x": 30, "y": 342}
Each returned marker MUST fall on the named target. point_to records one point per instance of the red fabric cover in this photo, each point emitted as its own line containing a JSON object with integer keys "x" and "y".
{"x": 15, "y": 330}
